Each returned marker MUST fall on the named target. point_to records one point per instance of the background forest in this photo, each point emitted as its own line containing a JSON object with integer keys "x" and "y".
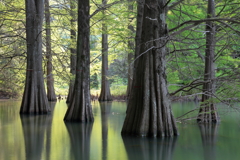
{"x": 185, "y": 47}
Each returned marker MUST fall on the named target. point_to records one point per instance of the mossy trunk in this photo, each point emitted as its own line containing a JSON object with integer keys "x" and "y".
{"x": 149, "y": 109}
{"x": 34, "y": 99}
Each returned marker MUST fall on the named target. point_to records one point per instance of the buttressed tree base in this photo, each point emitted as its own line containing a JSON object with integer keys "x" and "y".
{"x": 149, "y": 108}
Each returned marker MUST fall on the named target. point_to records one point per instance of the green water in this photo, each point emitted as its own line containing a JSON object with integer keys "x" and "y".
{"x": 47, "y": 137}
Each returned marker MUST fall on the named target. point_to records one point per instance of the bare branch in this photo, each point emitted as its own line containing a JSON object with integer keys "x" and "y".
{"x": 103, "y": 7}
{"x": 192, "y": 85}
{"x": 174, "y": 4}
{"x": 196, "y": 22}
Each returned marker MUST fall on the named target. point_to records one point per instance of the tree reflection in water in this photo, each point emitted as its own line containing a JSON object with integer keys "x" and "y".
{"x": 209, "y": 138}
{"x": 34, "y": 129}
{"x": 49, "y": 131}
{"x": 142, "y": 148}
{"x": 105, "y": 111}
{"x": 80, "y": 134}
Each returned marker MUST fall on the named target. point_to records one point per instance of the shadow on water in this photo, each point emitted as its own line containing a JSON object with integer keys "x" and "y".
{"x": 143, "y": 148}
{"x": 79, "y": 134}
{"x": 209, "y": 139}
{"x": 105, "y": 111}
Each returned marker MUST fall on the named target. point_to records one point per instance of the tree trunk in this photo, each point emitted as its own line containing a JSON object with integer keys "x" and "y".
{"x": 105, "y": 94}
{"x": 149, "y": 108}
{"x": 208, "y": 111}
{"x": 140, "y": 11}
{"x": 34, "y": 98}
{"x": 80, "y": 108}
{"x": 130, "y": 48}
{"x": 50, "y": 80}
{"x": 72, "y": 49}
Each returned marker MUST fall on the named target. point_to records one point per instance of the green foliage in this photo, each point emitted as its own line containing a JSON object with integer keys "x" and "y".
{"x": 12, "y": 47}
{"x": 186, "y": 50}
{"x": 118, "y": 90}
{"x": 61, "y": 89}
{"x": 94, "y": 81}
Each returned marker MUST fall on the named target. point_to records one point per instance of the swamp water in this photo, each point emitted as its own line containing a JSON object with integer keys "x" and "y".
{"x": 47, "y": 137}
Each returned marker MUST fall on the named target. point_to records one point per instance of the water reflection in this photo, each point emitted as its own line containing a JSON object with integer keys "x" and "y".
{"x": 39, "y": 137}
{"x": 34, "y": 130}
{"x": 105, "y": 111}
{"x": 79, "y": 134}
{"x": 209, "y": 139}
{"x": 149, "y": 148}
{"x": 49, "y": 132}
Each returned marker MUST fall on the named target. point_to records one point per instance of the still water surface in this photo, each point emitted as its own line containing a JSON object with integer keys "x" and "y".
{"x": 47, "y": 137}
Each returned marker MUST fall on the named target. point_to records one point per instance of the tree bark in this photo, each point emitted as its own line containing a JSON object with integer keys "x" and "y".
{"x": 50, "y": 80}
{"x": 208, "y": 111}
{"x": 130, "y": 48}
{"x": 149, "y": 108}
{"x": 105, "y": 94}
{"x": 72, "y": 50}
{"x": 140, "y": 11}
{"x": 80, "y": 108}
{"x": 34, "y": 98}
